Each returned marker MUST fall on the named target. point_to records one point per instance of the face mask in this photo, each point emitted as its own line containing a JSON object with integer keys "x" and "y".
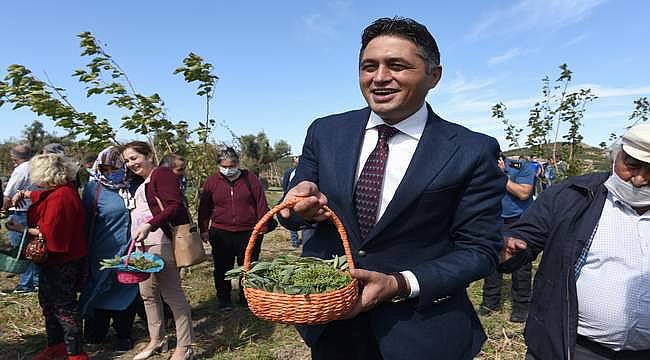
{"x": 628, "y": 193}
{"x": 229, "y": 172}
{"x": 116, "y": 176}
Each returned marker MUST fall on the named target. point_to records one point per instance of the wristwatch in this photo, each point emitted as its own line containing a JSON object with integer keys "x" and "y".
{"x": 402, "y": 289}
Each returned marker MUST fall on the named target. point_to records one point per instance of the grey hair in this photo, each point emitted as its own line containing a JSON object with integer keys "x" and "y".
{"x": 228, "y": 154}
{"x": 613, "y": 150}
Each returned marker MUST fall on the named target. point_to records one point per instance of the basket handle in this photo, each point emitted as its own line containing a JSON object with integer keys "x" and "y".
{"x": 128, "y": 253}
{"x": 289, "y": 203}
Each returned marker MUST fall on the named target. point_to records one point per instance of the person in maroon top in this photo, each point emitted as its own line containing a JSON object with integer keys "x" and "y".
{"x": 58, "y": 216}
{"x": 159, "y": 206}
{"x": 231, "y": 203}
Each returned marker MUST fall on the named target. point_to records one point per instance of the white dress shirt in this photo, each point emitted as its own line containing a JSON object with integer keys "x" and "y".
{"x": 614, "y": 283}
{"x": 401, "y": 148}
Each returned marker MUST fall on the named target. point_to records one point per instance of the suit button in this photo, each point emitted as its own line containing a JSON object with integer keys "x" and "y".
{"x": 361, "y": 253}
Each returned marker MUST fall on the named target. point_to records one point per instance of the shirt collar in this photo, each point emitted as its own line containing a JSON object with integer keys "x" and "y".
{"x": 412, "y": 126}
{"x": 623, "y": 205}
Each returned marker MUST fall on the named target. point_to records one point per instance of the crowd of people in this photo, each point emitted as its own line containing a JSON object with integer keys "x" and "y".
{"x": 128, "y": 201}
{"x": 429, "y": 207}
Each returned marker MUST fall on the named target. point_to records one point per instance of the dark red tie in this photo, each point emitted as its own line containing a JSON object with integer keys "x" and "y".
{"x": 367, "y": 194}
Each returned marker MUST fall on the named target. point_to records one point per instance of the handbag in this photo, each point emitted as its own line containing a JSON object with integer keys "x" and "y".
{"x": 186, "y": 241}
{"x": 36, "y": 249}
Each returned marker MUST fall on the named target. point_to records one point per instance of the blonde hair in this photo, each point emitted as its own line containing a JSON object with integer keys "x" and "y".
{"x": 53, "y": 169}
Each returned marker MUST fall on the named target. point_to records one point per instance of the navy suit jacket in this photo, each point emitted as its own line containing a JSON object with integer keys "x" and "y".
{"x": 442, "y": 224}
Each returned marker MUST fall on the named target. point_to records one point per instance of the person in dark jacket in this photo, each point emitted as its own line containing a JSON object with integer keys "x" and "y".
{"x": 231, "y": 203}
{"x": 591, "y": 291}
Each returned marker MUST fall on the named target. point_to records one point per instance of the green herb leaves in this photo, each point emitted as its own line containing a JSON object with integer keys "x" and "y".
{"x": 290, "y": 274}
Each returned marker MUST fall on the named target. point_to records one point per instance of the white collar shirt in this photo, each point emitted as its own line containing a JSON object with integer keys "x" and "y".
{"x": 401, "y": 148}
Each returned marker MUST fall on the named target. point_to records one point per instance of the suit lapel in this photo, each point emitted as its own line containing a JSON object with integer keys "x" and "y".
{"x": 433, "y": 152}
{"x": 349, "y": 158}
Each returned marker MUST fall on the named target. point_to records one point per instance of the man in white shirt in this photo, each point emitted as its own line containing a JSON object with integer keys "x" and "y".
{"x": 20, "y": 180}
{"x": 419, "y": 198}
{"x": 591, "y": 298}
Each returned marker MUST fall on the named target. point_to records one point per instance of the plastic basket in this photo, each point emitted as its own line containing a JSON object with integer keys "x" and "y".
{"x": 130, "y": 275}
{"x": 305, "y": 309}
{"x": 14, "y": 264}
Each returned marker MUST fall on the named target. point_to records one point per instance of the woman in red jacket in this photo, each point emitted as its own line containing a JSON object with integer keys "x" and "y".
{"x": 151, "y": 225}
{"x": 57, "y": 215}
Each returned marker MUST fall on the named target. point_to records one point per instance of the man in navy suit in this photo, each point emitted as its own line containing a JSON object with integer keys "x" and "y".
{"x": 436, "y": 224}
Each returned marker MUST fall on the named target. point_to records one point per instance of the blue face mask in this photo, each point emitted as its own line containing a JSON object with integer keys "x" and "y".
{"x": 116, "y": 177}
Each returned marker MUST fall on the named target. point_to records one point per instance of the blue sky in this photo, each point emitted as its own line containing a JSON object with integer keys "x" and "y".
{"x": 284, "y": 63}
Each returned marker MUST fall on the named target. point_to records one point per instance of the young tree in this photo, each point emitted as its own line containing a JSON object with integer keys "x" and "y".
{"x": 557, "y": 106}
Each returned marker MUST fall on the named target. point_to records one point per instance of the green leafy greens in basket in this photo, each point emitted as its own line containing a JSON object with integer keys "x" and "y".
{"x": 290, "y": 274}
{"x": 140, "y": 263}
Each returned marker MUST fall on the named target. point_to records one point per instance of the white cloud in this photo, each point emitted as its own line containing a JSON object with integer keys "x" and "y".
{"x": 533, "y": 15}
{"x": 499, "y": 59}
{"x": 605, "y": 92}
{"x": 460, "y": 85}
{"x": 575, "y": 40}
{"x": 325, "y": 23}
{"x": 319, "y": 24}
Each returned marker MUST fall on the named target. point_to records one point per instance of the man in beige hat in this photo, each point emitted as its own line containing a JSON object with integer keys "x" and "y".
{"x": 591, "y": 298}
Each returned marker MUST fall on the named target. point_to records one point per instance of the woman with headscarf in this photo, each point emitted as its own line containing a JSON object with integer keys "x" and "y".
{"x": 107, "y": 201}
{"x": 57, "y": 216}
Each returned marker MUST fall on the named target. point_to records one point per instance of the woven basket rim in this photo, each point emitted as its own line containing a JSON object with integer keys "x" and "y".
{"x": 285, "y": 307}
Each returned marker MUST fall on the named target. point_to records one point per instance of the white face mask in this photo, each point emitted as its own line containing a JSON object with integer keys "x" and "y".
{"x": 636, "y": 197}
{"x": 229, "y": 172}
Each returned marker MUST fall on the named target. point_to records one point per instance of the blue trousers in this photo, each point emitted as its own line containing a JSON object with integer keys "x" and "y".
{"x": 29, "y": 278}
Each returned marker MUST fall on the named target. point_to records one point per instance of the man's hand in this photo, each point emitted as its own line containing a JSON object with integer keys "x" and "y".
{"x": 501, "y": 164}
{"x": 205, "y": 237}
{"x": 311, "y": 207}
{"x": 376, "y": 288}
{"x": 511, "y": 246}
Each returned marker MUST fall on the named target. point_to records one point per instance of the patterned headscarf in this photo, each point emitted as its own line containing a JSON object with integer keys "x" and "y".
{"x": 110, "y": 156}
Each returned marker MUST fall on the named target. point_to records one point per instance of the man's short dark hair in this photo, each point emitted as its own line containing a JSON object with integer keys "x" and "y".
{"x": 170, "y": 160}
{"x": 408, "y": 29}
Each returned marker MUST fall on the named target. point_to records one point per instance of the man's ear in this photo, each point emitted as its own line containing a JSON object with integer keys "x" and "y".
{"x": 436, "y": 75}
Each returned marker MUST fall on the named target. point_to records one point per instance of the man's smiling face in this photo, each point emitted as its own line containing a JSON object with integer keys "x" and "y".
{"x": 394, "y": 79}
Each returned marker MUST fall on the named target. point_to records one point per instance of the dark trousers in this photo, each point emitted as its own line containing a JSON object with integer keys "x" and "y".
{"x": 57, "y": 296}
{"x": 521, "y": 283}
{"x": 594, "y": 352}
{"x": 96, "y": 327}
{"x": 347, "y": 340}
{"x": 228, "y": 246}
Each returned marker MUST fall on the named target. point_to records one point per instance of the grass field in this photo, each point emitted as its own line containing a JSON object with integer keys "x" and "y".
{"x": 236, "y": 334}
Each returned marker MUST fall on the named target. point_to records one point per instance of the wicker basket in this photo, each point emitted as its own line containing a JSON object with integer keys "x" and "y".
{"x": 14, "y": 264}
{"x": 306, "y": 309}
